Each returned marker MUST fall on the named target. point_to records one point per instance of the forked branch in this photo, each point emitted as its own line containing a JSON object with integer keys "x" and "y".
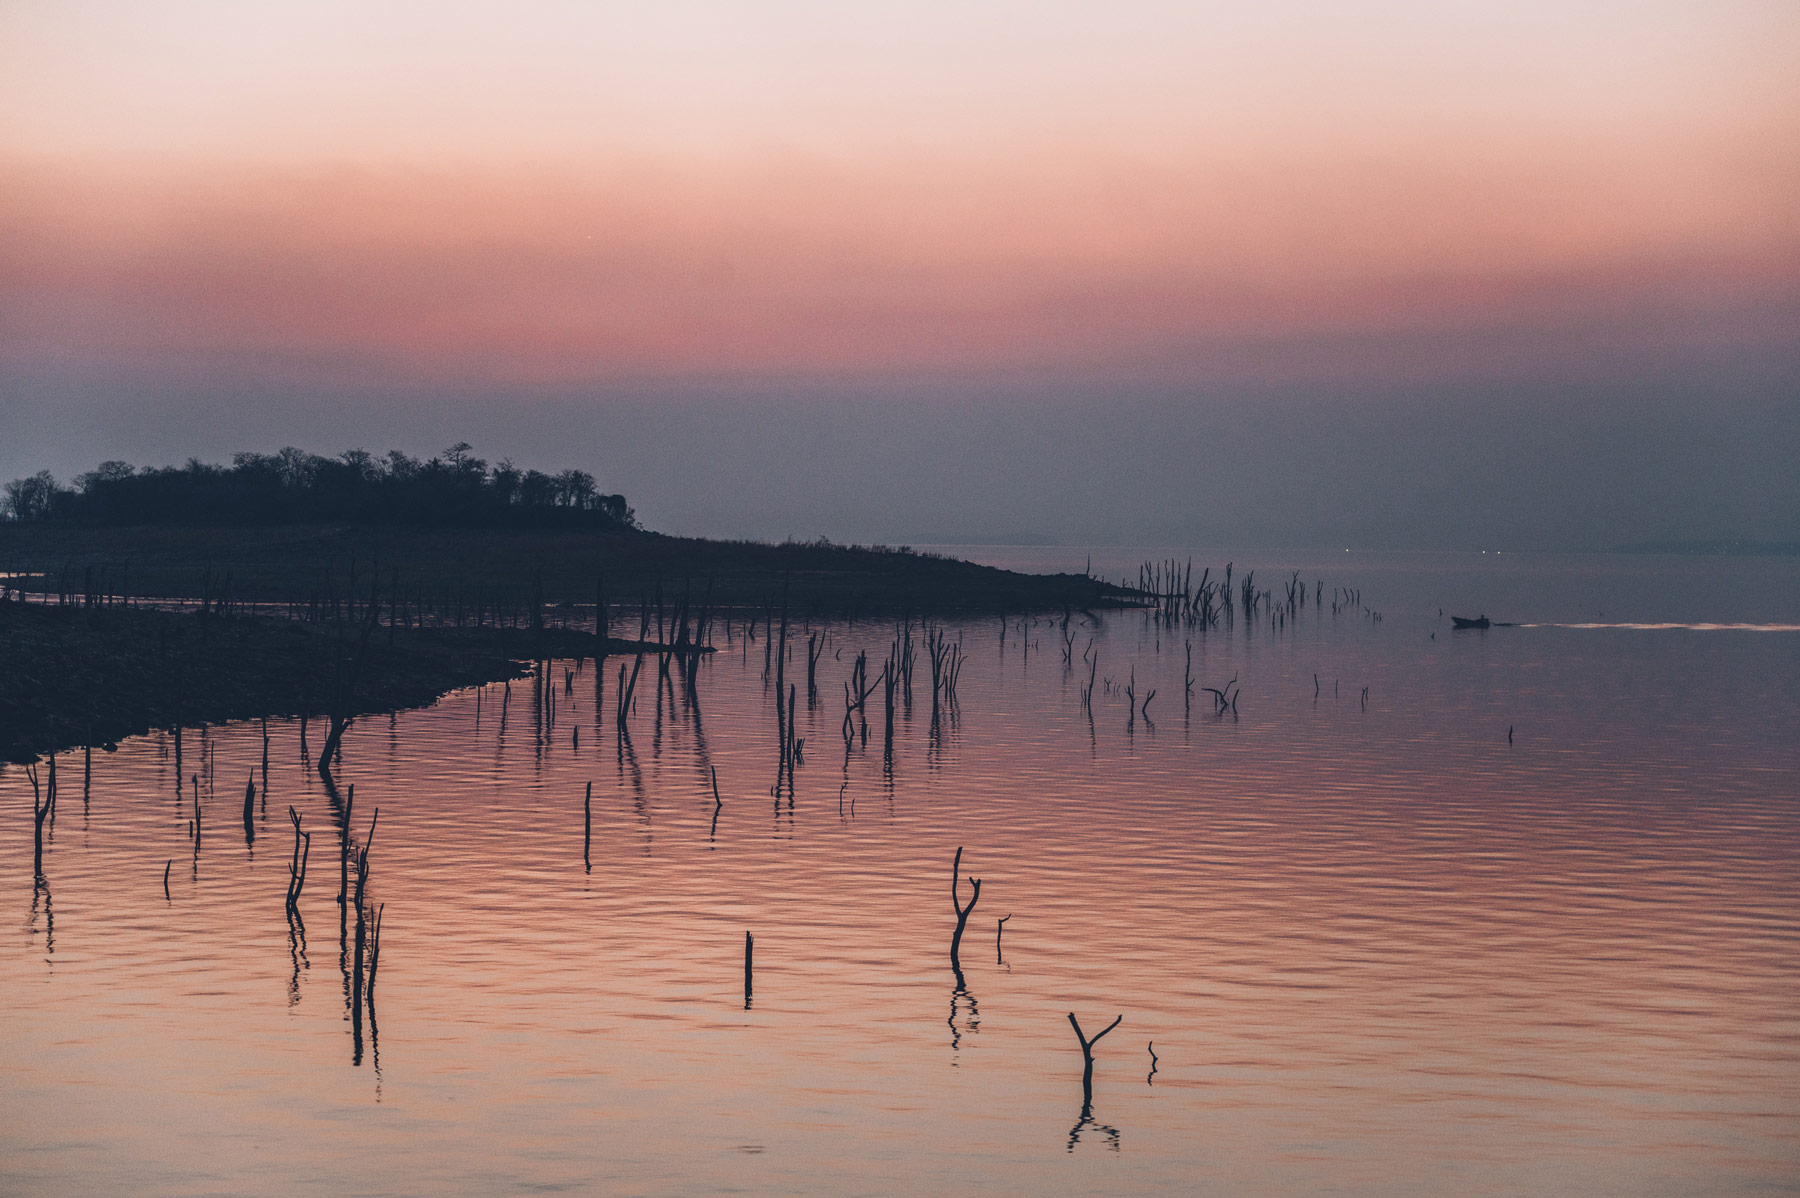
{"x": 962, "y": 912}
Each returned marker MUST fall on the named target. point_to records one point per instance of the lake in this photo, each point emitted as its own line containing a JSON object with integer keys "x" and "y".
{"x": 1501, "y": 912}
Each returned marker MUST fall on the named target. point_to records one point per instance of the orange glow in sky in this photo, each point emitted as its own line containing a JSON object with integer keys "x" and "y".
{"x": 555, "y": 192}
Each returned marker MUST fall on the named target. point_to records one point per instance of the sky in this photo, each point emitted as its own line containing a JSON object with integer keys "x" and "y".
{"x": 1389, "y": 273}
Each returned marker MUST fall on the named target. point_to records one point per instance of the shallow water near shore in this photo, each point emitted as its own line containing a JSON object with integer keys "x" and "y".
{"x": 1377, "y": 944}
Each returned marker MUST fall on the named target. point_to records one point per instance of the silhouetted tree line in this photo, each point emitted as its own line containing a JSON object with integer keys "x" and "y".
{"x": 453, "y": 489}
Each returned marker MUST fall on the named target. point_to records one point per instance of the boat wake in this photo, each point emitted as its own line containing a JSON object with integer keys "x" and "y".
{"x": 1681, "y": 627}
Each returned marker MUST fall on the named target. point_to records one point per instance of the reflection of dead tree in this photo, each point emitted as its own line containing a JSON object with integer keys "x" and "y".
{"x": 960, "y": 994}
{"x": 1087, "y": 1086}
{"x": 41, "y": 885}
{"x": 296, "y": 953}
{"x": 296, "y": 925}
{"x": 1086, "y": 1121}
{"x": 374, "y": 955}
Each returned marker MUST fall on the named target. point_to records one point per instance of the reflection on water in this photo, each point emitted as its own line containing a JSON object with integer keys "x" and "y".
{"x": 1359, "y": 941}
{"x": 1678, "y": 627}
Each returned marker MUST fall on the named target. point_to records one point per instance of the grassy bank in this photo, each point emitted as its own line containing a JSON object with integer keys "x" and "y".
{"x": 442, "y": 570}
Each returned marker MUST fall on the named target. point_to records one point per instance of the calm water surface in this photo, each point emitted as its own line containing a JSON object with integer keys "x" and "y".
{"x": 1377, "y": 947}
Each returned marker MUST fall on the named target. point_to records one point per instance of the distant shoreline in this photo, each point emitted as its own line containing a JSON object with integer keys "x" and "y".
{"x": 1716, "y": 547}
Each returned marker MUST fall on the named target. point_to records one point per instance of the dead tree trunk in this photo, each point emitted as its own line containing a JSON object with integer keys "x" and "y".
{"x": 297, "y": 867}
{"x": 343, "y": 700}
{"x": 962, "y": 912}
{"x": 40, "y": 811}
{"x": 1087, "y": 1052}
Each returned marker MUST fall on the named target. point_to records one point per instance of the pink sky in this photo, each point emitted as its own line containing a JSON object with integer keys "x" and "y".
{"x": 558, "y": 193}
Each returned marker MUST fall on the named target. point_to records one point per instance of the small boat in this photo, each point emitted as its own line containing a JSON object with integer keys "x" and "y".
{"x": 1464, "y": 622}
